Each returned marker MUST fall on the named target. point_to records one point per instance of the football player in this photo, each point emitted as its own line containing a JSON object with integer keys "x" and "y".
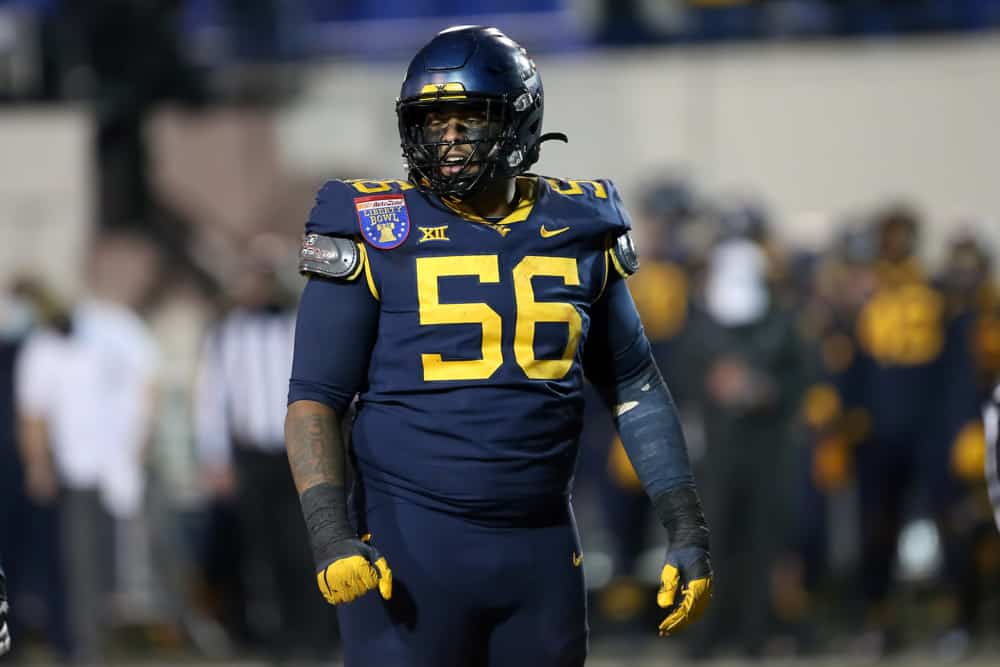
{"x": 901, "y": 336}
{"x": 464, "y": 307}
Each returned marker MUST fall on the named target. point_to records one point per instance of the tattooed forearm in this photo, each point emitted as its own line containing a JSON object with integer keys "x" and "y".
{"x": 315, "y": 448}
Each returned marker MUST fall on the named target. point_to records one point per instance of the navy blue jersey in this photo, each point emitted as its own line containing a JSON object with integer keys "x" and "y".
{"x": 473, "y": 399}
{"x": 902, "y": 335}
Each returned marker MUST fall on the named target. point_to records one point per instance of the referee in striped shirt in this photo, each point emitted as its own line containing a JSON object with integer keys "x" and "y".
{"x": 991, "y": 417}
{"x": 239, "y": 414}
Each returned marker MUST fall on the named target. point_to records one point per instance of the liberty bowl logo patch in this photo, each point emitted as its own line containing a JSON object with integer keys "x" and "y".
{"x": 384, "y": 220}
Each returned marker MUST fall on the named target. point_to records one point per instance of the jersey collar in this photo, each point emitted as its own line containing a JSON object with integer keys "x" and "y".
{"x": 528, "y": 189}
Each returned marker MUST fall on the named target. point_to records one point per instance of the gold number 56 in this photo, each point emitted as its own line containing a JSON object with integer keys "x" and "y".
{"x": 529, "y": 313}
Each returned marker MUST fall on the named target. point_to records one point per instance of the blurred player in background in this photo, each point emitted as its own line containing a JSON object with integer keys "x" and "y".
{"x": 841, "y": 282}
{"x": 745, "y": 348}
{"x": 954, "y": 472}
{"x": 465, "y": 306}
{"x": 28, "y": 529}
{"x": 901, "y": 332}
{"x": 85, "y": 388}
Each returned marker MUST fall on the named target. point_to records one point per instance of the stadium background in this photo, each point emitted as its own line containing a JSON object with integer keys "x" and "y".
{"x": 204, "y": 127}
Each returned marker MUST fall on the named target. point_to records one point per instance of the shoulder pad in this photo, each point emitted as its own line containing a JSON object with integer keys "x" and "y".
{"x": 334, "y": 213}
{"x": 600, "y": 194}
{"x": 330, "y": 257}
{"x": 589, "y": 189}
{"x": 623, "y": 217}
{"x": 623, "y": 255}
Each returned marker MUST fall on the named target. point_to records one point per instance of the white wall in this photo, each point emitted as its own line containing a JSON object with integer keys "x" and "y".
{"x": 46, "y": 177}
{"x": 819, "y": 131}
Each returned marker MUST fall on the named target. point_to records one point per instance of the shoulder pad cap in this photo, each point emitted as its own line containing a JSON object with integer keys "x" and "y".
{"x": 330, "y": 256}
{"x": 624, "y": 256}
{"x": 335, "y": 212}
{"x": 599, "y": 195}
{"x": 624, "y": 219}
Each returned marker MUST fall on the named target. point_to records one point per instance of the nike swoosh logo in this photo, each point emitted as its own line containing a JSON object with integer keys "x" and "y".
{"x": 549, "y": 233}
{"x": 577, "y": 559}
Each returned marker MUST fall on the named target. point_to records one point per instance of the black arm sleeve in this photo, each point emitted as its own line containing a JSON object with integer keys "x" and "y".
{"x": 619, "y": 362}
{"x": 334, "y": 336}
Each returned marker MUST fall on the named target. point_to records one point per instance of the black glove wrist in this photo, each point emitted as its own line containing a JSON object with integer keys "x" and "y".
{"x": 324, "y": 507}
{"x": 346, "y": 567}
{"x": 679, "y": 510}
{"x": 686, "y": 578}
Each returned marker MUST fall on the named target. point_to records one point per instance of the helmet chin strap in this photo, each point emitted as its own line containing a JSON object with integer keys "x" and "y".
{"x": 532, "y": 157}
{"x": 553, "y": 136}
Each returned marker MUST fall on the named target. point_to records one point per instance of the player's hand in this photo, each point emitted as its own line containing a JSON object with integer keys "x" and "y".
{"x": 831, "y": 464}
{"x": 219, "y": 481}
{"x": 685, "y": 587}
{"x": 40, "y": 483}
{"x": 968, "y": 453}
{"x": 355, "y": 569}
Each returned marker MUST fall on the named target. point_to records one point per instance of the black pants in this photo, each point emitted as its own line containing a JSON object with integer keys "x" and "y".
{"x": 744, "y": 504}
{"x": 279, "y": 573}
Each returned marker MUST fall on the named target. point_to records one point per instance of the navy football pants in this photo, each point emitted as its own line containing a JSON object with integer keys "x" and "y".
{"x": 468, "y": 595}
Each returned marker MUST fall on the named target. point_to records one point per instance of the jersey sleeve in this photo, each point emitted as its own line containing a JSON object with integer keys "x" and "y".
{"x": 334, "y": 337}
{"x": 331, "y": 244}
{"x": 622, "y": 253}
{"x": 617, "y": 344}
{"x": 598, "y": 205}
{"x": 619, "y": 214}
{"x": 37, "y": 363}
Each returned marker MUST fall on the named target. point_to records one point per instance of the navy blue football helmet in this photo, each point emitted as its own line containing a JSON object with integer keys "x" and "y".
{"x": 477, "y": 69}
